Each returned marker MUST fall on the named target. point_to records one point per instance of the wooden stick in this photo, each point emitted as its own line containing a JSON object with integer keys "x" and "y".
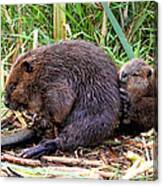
{"x": 107, "y": 175}
{"x": 20, "y": 161}
{"x": 80, "y": 172}
{"x": 73, "y": 161}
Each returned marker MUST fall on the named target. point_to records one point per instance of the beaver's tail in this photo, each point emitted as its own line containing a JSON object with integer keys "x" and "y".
{"x": 19, "y": 137}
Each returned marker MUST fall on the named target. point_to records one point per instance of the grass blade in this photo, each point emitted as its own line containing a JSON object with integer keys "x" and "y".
{"x": 59, "y": 21}
{"x": 118, "y": 30}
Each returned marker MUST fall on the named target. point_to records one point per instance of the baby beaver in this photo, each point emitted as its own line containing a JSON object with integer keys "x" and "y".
{"x": 139, "y": 81}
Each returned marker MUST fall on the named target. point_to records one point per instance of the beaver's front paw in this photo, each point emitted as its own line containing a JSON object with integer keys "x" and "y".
{"x": 125, "y": 111}
{"x": 46, "y": 147}
{"x": 34, "y": 152}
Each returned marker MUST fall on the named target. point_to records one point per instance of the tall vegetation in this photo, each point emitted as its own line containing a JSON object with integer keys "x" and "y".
{"x": 138, "y": 21}
{"x": 24, "y": 27}
{"x": 59, "y": 22}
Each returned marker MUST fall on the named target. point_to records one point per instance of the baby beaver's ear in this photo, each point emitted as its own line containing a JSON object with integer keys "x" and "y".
{"x": 27, "y": 67}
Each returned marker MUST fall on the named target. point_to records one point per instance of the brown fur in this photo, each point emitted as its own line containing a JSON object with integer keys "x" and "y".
{"x": 140, "y": 82}
{"x": 72, "y": 85}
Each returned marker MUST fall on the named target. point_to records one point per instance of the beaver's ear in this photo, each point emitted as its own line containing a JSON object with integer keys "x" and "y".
{"x": 27, "y": 67}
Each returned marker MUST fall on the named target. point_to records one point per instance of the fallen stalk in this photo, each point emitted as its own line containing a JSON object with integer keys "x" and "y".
{"x": 73, "y": 161}
{"x": 20, "y": 161}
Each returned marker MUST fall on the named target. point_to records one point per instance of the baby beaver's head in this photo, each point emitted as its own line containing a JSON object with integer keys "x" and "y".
{"x": 21, "y": 82}
{"x": 137, "y": 77}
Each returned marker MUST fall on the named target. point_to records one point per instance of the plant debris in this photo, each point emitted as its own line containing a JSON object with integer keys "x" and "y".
{"x": 122, "y": 157}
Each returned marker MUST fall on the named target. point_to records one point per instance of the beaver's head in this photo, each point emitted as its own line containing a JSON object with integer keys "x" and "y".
{"x": 21, "y": 84}
{"x": 137, "y": 77}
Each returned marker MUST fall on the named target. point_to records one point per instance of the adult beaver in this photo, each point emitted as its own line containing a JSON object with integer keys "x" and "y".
{"x": 72, "y": 85}
{"x": 139, "y": 81}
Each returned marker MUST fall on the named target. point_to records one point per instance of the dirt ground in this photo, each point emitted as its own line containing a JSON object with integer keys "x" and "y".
{"x": 122, "y": 157}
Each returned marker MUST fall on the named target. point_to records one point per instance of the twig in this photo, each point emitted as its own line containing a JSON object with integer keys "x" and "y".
{"x": 20, "y": 118}
{"x": 146, "y": 149}
{"x": 73, "y": 161}
{"x": 9, "y": 118}
{"x": 20, "y": 161}
{"x": 106, "y": 175}
{"x": 133, "y": 171}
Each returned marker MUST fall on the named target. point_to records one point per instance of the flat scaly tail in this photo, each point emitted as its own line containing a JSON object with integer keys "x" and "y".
{"x": 21, "y": 136}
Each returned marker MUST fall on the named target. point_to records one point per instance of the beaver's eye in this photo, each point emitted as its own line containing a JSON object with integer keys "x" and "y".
{"x": 124, "y": 74}
{"x": 27, "y": 67}
{"x": 11, "y": 87}
{"x": 149, "y": 73}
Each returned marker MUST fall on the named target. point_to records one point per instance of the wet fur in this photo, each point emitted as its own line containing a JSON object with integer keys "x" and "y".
{"x": 72, "y": 85}
{"x": 140, "y": 81}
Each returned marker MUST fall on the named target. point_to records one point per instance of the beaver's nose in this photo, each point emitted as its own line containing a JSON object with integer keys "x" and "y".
{"x": 7, "y": 103}
{"x": 6, "y": 100}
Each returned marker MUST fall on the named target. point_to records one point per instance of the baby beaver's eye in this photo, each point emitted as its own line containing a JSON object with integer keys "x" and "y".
{"x": 149, "y": 74}
{"x": 124, "y": 75}
{"x": 27, "y": 67}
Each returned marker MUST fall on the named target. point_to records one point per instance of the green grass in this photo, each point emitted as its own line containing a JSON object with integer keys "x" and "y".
{"x": 21, "y": 24}
{"x": 138, "y": 21}
{"x": 85, "y": 22}
{"x": 118, "y": 30}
